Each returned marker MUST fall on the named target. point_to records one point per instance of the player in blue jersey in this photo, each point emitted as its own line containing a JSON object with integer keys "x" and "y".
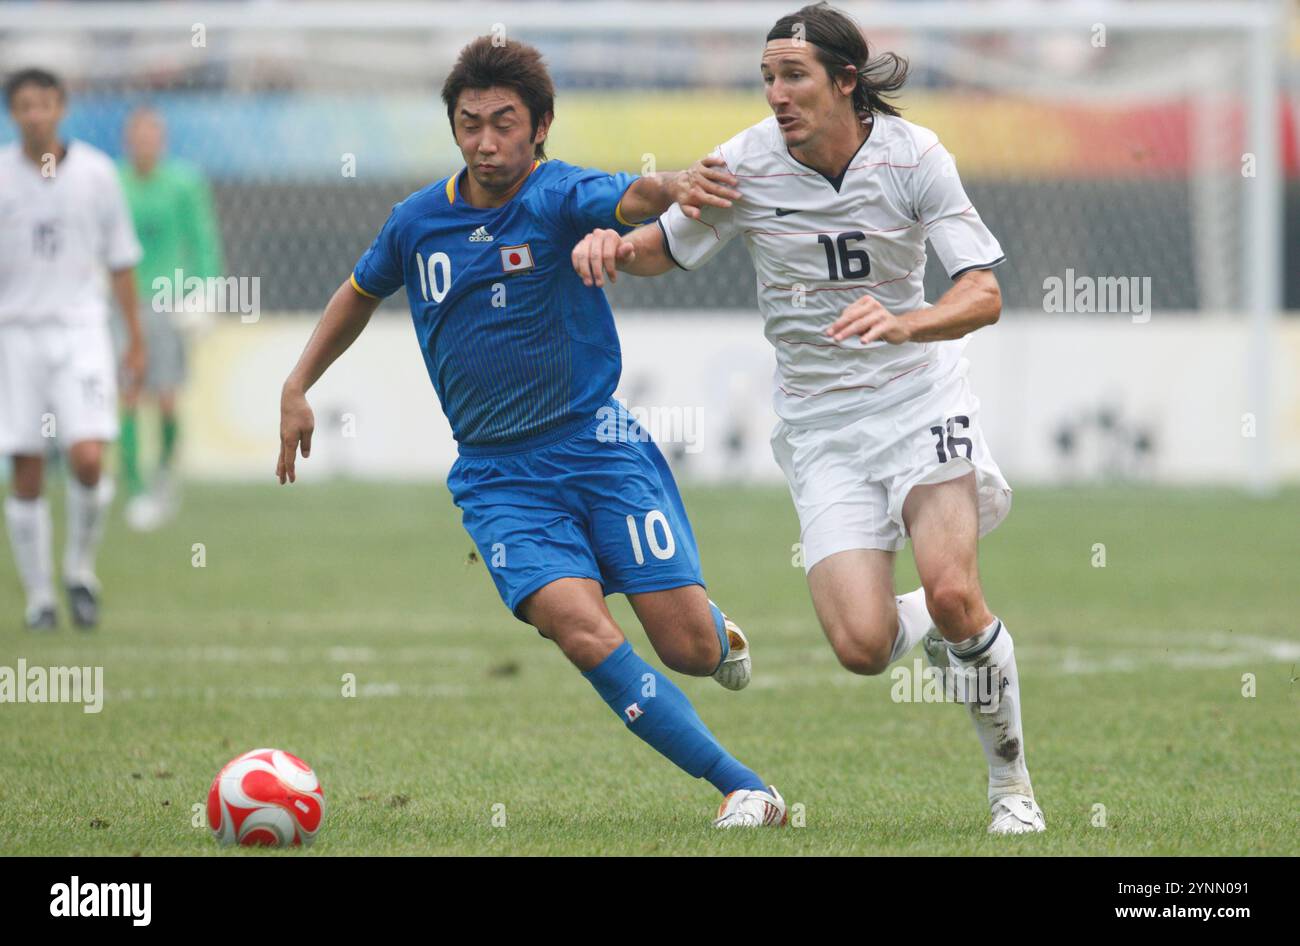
{"x": 567, "y": 499}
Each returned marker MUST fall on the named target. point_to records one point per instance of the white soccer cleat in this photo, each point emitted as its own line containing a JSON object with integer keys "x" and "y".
{"x": 936, "y": 648}
{"x": 734, "y": 673}
{"x": 1017, "y": 814}
{"x": 166, "y": 495}
{"x": 751, "y": 808}
{"x": 143, "y": 513}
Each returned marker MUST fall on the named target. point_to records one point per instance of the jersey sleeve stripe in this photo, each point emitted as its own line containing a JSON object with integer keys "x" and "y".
{"x": 854, "y": 387}
{"x": 795, "y": 233}
{"x": 357, "y": 286}
{"x": 962, "y": 272}
{"x": 852, "y": 167}
{"x": 618, "y": 207}
{"x": 618, "y": 214}
{"x": 961, "y": 213}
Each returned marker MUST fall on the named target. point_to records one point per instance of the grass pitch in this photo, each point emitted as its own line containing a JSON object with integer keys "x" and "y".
{"x": 1132, "y": 679}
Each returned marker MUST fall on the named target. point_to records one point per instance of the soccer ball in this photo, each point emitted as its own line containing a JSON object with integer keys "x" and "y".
{"x": 266, "y": 797}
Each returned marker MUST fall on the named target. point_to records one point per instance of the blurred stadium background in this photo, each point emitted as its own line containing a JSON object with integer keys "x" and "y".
{"x": 1099, "y": 140}
{"x": 1126, "y": 139}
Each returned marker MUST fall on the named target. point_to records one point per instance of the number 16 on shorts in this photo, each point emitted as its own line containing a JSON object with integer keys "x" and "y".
{"x": 955, "y": 444}
{"x": 658, "y": 536}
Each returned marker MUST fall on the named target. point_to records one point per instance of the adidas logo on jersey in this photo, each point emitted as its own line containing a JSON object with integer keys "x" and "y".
{"x": 480, "y": 236}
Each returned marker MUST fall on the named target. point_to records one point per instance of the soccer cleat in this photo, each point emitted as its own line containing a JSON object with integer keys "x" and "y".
{"x": 751, "y": 808}
{"x": 166, "y": 495}
{"x": 42, "y": 619}
{"x": 83, "y": 602}
{"x": 734, "y": 672}
{"x": 1016, "y": 814}
{"x": 142, "y": 513}
{"x": 936, "y": 648}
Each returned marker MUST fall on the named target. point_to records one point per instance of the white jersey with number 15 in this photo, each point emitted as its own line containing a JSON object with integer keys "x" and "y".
{"x": 62, "y": 226}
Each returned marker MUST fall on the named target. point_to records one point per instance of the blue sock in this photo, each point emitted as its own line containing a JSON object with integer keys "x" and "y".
{"x": 720, "y": 625}
{"x": 657, "y": 711}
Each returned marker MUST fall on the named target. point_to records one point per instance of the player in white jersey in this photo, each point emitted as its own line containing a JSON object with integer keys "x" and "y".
{"x": 63, "y": 222}
{"x": 879, "y": 436}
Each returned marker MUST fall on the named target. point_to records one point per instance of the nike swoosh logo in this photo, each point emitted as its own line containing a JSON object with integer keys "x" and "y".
{"x": 782, "y": 212}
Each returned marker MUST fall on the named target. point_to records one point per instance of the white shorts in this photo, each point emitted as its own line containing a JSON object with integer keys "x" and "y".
{"x": 56, "y": 381}
{"x": 849, "y": 483}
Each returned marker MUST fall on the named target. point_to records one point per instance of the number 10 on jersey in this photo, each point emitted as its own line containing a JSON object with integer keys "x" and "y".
{"x": 435, "y": 276}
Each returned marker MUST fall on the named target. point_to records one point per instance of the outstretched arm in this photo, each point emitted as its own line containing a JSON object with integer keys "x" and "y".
{"x": 706, "y": 183}
{"x": 641, "y": 253}
{"x": 345, "y": 317}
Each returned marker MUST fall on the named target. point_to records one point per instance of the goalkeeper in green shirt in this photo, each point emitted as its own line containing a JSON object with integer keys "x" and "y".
{"x": 172, "y": 208}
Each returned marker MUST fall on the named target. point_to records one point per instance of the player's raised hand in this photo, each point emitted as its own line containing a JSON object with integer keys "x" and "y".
{"x": 599, "y": 253}
{"x": 297, "y": 422}
{"x": 869, "y": 319}
{"x": 706, "y": 183}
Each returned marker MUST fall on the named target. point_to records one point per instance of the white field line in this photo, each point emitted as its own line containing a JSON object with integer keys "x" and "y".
{"x": 355, "y": 622}
{"x": 247, "y": 654}
{"x": 1216, "y": 649}
{"x": 811, "y": 664}
{"x": 1210, "y": 650}
{"x": 234, "y": 694}
{"x": 1196, "y": 649}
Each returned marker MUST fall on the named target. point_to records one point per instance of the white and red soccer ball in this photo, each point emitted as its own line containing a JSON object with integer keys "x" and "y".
{"x": 266, "y": 797}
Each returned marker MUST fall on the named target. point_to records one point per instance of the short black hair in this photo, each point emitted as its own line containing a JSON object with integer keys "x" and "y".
{"x": 840, "y": 45}
{"x": 33, "y": 76}
{"x": 487, "y": 62}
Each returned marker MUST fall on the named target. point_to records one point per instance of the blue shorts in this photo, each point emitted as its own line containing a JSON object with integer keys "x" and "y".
{"x": 599, "y": 503}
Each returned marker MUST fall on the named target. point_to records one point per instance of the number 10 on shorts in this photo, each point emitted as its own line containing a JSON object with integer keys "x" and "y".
{"x": 654, "y": 522}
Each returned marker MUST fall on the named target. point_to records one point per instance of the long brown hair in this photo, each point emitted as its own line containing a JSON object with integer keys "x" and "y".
{"x": 839, "y": 43}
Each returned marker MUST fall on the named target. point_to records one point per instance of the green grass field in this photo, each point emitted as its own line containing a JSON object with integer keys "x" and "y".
{"x": 1131, "y": 676}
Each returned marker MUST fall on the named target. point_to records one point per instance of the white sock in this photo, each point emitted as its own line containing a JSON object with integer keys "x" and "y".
{"x": 999, "y": 731}
{"x": 87, "y": 512}
{"x": 30, "y": 536}
{"x": 914, "y": 622}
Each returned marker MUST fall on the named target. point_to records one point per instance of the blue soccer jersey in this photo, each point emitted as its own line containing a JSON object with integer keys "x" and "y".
{"x": 517, "y": 348}
{"x": 552, "y": 480}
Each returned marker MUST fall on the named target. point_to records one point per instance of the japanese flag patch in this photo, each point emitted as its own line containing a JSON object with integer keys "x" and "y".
{"x": 633, "y": 713}
{"x": 516, "y": 259}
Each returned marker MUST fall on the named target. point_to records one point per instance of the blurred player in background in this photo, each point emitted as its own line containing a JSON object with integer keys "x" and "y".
{"x": 562, "y": 493}
{"x": 64, "y": 222}
{"x": 879, "y": 433}
{"x": 171, "y": 206}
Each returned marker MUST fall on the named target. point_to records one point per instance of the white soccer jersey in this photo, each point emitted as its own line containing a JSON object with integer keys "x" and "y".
{"x": 818, "y": 244}
{"x": 58, "y": 234}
